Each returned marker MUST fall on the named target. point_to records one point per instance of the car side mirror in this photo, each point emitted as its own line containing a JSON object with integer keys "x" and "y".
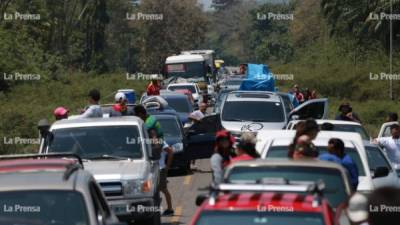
{"x": 294, "y": 117}
{"x": 200, "y": 199}
{"x": 381, "y": 172}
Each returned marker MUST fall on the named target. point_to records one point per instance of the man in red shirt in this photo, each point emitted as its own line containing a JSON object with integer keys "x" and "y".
{"x": 153, "y": 88}
{"x": 246, "y": 150}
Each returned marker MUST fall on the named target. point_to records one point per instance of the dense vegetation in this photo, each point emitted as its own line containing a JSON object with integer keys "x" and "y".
{"x": 333, "y": 46}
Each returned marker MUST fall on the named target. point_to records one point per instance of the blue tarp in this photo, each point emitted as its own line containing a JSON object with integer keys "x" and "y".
{"x": 258, "y": 78}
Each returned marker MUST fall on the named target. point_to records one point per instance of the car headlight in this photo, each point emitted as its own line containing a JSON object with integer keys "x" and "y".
{"x": 137, "y": 187}
{"x": 177, "y": 147}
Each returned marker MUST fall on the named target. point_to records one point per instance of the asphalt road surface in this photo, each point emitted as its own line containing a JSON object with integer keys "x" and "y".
{"x": 184, "y": 190}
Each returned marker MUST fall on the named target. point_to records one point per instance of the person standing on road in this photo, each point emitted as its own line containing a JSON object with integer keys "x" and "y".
{"x": 153, "y": 88}
{"x": 166, "y": 152}
{"x": 297, "y": 93}
{"x": 336, "y": 153}
{"x": 347, "y": 114}
{"x": 197, "y": 115}
{"x": 392, "y": 117}
{"x": 391, "y": 144}
{"x": 302, "y": 146}
{"x": 246, "y": 149}
{"x": 166, "y": 157}
{"x": 94, "y": 109}
{"x": 61, "y": 113}
{"x": 221, "y": 157}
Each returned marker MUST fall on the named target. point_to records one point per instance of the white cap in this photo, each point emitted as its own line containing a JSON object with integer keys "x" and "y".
{"x": 358, "y": 208}
{"x": 120, "y": 96}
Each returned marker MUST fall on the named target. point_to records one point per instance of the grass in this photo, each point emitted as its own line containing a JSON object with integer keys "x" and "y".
{"x": 21, "y": 109}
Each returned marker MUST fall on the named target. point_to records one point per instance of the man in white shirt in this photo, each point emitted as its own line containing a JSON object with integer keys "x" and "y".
{"x": 94, "y": 109}
{"x": 197, "y": 115}
{"x": 391, "y": 144}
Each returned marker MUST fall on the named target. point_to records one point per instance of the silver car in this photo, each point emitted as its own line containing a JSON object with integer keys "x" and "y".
{"x": 118, "y": 152}
{"x": 50, "y": 191}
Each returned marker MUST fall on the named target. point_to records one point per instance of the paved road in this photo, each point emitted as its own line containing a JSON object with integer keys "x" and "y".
{"x": 184, "y": 189}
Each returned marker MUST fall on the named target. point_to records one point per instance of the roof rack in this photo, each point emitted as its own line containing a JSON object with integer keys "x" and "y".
{"x": 314, "y": 188}
{"x": 46, "y": 155}
{"x": 70, "y": 169}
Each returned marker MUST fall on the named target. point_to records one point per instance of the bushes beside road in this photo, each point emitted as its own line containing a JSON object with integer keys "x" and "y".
{"x": 21, "y": 109}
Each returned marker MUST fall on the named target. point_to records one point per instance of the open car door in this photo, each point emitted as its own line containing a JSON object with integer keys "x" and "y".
{"x": 201, "y": 137}
{"x": 315, "y": 109}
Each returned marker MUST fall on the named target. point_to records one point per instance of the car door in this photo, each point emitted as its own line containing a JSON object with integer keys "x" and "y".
{"x": 315, "y": 109}
{"x": 200, "y": 137}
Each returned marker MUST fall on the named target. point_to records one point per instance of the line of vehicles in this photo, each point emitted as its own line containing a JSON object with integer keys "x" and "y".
{"x": 103, "y": 170}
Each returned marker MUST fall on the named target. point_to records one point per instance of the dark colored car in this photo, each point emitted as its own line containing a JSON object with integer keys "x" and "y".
{"x": 175, "y": 137}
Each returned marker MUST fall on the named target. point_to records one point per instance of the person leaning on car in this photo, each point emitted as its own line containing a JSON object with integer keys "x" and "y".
{"x": 347, "y": 114}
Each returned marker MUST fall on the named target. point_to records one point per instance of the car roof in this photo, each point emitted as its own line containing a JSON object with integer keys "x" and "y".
{"x": 166, "y": 116}
{"x": 286, "y": 162}
{"x": 182, "y": 84}
{"x": 184, "y": 58}
{"x": 40, "y": 174}
{"x": 253, "y": 96}
{"x": 339, "y": 122}
{"x": 285, "y": 137}
{"x": 100, "y": 121}
{"x": 253, "y": 201}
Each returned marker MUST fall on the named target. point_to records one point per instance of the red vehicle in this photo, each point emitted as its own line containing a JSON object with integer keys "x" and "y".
{"x": 261, "y": 204}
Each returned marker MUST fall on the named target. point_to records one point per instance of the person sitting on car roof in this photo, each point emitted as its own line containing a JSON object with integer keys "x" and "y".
{"x": 246, "y": 149}
{"x": 302, "y": 146}
{"x": 221, "y": 157}
{"x": 61, "y": 113}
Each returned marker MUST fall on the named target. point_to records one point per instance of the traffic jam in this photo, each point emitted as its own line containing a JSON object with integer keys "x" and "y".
{"x": 199, "y": 112}
{"x": 274, "y": 157}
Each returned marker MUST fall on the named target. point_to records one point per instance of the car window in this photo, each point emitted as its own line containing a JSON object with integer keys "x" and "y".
{"x": 233, "y": 111}
{"x": 287, "y": 103}
{"x": 179, "y": 104}
{"x": 170, "y": 127}
{"x": 266, "y": 217}
{"x": 376, "y": 158}
{"x": 333, "y": 179}
{"x": 386, "y": 132}
{"x": 43, "y": 207}
{"x": 191, "y": 88}
{"x": 313, "y": 110}
{"x": 92, "y": 142}
{"x": 282, "y": 151}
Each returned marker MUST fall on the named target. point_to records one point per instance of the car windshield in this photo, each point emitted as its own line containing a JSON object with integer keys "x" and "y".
{"x": 272, "y": 111}
{"x": 170, "y": 128}
{"x": 259, "y": 217}
{"x": 43, "y": 207}
{"x": 186, "y": 70}
{"x": 282, "y": 151}
{"x": 97, "y": 141}
{"x": 179, "y": 104}
{"x": 335, "y": 190}
{"x": 352, "y": 128}
{"x": 191, "y": 88}
{"x": 376, "y": 158}
{"x": 232, "y": 83}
